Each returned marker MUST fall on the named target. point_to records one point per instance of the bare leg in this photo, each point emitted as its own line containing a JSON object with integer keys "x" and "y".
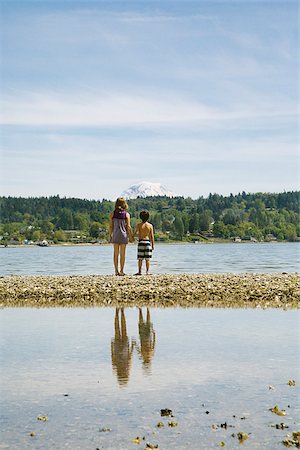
{"x": 116, "y": 257}
{"x": 117, "y": 325}
{"x": 122, "y": 258}
{"x": 140, "y": 263}
{"x": 140, "y": 315}
{"x": 148, "y": 315}
{"x": 147, "y": 265}
{"x": 123, "y": 324}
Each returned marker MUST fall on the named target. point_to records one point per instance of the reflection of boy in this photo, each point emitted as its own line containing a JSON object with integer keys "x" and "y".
{"x": 147, "y": 339}
{"x": 121, "y": 351}
{"x": 144, "y": 231}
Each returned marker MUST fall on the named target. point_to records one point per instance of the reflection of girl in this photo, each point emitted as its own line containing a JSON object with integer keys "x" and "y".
{"x": 120, "y": 229}
{"x": 147, "y": 339}
{"x": 121, "y": 350}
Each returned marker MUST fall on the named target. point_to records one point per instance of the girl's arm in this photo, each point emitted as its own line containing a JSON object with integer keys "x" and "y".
{"x": 129, "y": 230}
{"x": 111, "y": 225}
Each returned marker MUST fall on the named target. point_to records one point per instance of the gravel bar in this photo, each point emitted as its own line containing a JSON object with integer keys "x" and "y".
{"x": 185, "y": 290}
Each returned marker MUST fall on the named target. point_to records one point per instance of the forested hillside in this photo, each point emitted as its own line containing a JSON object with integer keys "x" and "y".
{"x": 260, "y": 216}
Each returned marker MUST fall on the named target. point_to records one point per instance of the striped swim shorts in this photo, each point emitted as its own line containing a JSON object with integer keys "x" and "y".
{"x": 144, "y": 249}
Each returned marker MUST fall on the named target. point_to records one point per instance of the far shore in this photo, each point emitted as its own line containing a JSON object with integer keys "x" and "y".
{"x": 186, "y": 290}
{"x": 101, "y": 244}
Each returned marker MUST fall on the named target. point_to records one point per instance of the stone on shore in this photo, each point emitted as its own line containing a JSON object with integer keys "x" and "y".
{"x": 185, "y": 290}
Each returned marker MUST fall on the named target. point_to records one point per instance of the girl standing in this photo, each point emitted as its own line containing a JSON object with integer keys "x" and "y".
{"x": 120, "y": 231}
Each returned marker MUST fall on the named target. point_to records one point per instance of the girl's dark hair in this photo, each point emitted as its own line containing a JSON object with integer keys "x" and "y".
{"x": 144, "y": 215}
{"x": 121, "y": 204}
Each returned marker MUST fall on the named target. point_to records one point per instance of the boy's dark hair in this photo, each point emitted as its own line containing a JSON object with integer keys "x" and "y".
{"x": 144, "y": 215}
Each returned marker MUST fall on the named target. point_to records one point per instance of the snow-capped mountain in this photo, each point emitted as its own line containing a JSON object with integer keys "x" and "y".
{"x": 146, "y": 189}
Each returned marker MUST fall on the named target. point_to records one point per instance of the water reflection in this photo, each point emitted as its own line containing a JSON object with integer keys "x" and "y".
{"x": 147, "y": 340}
{"x": 217, "y": 360}
{"x": 122, "y": 348}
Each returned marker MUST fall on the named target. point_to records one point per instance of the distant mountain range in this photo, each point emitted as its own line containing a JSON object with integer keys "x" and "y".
{"x": 146, "y": 189}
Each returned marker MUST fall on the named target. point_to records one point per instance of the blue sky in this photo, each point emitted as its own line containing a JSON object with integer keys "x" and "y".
{"x": 200, "y": 96}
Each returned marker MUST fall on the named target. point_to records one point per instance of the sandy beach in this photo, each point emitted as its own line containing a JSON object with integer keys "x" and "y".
{"x": 203, "y": 290}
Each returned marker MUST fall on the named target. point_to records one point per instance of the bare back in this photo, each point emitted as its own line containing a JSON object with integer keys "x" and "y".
{"x": 145, "y": 231}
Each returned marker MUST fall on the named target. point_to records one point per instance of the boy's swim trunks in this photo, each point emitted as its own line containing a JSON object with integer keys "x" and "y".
{"x": 144, "y": 249}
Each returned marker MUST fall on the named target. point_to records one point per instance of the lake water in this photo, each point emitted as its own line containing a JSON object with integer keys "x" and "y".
{"x": 101, "y": 379}
{"x": 167, "y": 258}
{"x": 87, "y": 374}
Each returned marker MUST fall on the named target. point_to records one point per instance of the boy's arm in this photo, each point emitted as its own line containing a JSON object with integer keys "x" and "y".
{"x": 152, "y": 237}
{"x": 137, "y": 230}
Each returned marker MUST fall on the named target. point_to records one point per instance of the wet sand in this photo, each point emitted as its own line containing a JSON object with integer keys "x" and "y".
{"x": 186, "y": 290}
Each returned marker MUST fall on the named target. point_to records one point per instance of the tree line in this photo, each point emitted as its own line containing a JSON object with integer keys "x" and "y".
{"x": 259, "y": 216}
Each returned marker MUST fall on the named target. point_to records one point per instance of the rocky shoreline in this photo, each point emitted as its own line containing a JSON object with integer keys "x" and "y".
{"x": 186, "y": 290}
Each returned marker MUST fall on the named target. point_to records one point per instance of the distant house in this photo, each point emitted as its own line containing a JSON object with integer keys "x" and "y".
{"x": 237, "y": 239}
{"x": 14, "y": 242}
{"x": 43, "y": 243}
{"x": 74, "y": 236}
{"x": 270, "y": 238}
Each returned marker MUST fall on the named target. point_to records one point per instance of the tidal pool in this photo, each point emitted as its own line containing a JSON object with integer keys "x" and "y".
{"x": 100, "y": 378}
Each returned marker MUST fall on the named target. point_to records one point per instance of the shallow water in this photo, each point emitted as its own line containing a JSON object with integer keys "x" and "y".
{"x": 77, "y": 368}
{"x": 167, "y": 258}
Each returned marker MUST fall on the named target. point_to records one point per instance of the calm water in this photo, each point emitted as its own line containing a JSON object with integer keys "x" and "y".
{"x": 89, "y": 369}
{"x": 174, "y": 258}
{"x": 83, "y": 370}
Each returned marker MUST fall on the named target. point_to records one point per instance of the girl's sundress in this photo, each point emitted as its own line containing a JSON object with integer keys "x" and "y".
{"x": 120, "y": 235}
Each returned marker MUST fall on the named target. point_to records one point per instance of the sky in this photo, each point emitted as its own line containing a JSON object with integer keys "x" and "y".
{"x": 201, "y": 96}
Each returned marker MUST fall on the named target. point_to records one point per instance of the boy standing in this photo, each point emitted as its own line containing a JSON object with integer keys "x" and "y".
{"x": 144, "y": 232}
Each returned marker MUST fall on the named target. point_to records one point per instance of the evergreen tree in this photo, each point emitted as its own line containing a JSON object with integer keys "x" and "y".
{"x": 179, "y": 227}
{"x": 65, "y": 219}
{"x": 245, "y": 214}
{"x": 194, "y": 223}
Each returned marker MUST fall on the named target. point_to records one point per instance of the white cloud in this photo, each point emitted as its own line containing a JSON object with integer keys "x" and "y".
{"x": 121, "y": 109}
{"x": 106, "y": 110}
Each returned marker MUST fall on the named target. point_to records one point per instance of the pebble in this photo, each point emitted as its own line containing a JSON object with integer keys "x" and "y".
{"x": 242, "y": 436}
{"x": 186, "y": 290}
{"x": 166, "y": 412}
